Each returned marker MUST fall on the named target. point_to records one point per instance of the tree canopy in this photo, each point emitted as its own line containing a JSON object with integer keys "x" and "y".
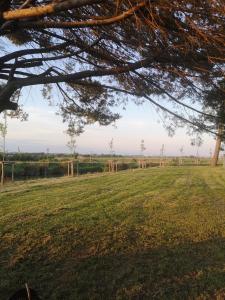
{"x": 95, "y": 51}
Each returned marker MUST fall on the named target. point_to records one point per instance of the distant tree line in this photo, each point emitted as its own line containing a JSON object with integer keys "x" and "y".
{"x": 23, "y": 156}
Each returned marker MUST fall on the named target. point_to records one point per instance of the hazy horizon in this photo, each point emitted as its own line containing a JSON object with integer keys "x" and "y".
{"x": 45, "y": 130}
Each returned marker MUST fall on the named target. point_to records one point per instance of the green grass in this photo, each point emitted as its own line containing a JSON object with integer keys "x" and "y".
{"x": 143, "y": 234}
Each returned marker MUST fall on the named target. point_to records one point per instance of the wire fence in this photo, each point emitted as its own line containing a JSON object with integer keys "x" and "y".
{"x": 20, "y": 170}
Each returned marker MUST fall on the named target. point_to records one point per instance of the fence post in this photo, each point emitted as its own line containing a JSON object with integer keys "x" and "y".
{"x": 72, "y": 171}
{"x": 2, "y": 173}
{"x": 13, "y": 172}
{"x": 110, "y": 166}
{"x": 68, "y": 169}
{"x": 77, "y": 167}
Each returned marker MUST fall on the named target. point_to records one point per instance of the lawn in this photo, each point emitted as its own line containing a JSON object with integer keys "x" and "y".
{"x": 146, "y": 234}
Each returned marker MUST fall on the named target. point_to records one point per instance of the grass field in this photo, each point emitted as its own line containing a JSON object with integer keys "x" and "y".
{"x": 143, "y": 234}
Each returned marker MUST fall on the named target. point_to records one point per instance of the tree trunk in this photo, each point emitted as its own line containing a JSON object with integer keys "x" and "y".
{"x": 217, "y": 146}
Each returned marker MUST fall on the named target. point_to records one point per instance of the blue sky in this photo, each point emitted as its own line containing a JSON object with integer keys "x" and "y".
{"x": 45, "y": 129}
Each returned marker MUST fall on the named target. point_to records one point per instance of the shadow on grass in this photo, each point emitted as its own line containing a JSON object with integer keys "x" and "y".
{"x": 185, "y": 271}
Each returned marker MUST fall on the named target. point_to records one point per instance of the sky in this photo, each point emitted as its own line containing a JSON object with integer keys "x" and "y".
{"x": 45, "y": 130}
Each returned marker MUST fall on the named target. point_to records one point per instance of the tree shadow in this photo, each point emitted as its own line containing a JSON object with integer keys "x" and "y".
{"x": 185, "y": 271}
{"x": 191, "y": 270}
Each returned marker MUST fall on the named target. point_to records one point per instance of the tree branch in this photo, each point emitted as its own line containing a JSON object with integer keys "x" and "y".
{"x": 52, "y": 8}
{"x": 24, "y": 52}
{"x": 76, "y": 24}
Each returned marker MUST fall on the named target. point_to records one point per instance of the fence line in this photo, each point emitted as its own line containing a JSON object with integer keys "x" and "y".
{"x": 12, "y": 170}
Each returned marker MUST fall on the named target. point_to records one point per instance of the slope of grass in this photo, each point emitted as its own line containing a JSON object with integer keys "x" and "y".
{"x": 146, "y": 234}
